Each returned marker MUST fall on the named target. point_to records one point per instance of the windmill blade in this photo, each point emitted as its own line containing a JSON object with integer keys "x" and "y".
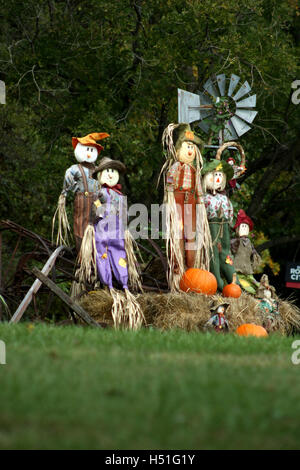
{"x": 188, "y": 106}
{"x": 210, "y": 88}
{"x": 229, "y": 132}
{"x": 204, "y": 126}
{"x": 245, "y": 88}
{"x": 234, "y": 80}
{"x": 246, "y": 114}
{"x": 2, "y": 92}
{"x": 221, "y": 79}
{"x": 249, "y": 102}
{"x": 240, "y": 126}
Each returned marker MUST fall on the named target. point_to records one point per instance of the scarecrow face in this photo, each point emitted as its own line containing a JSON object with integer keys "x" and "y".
{"x": 187, "y": 152}
{"x": 86, "y": 153}
{"x": 221, "y": 310}
{"x": 218, "y": 179}
{"x": 267, "y": 294}
{"x": 109, "y": 177}
{"x": 243, "y": 230}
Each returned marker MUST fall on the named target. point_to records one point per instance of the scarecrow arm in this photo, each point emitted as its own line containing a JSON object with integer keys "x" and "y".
{"x": 71, "y": 180}
{"x": 172, "y": 177}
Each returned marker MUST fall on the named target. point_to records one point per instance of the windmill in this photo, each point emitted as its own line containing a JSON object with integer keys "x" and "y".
{"x": 201, "y": 108}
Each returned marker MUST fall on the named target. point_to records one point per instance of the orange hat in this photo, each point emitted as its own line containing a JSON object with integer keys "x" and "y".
{"x": 90, "y": 139}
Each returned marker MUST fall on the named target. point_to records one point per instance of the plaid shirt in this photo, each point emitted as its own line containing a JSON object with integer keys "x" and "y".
{"x": 174, "y": 176}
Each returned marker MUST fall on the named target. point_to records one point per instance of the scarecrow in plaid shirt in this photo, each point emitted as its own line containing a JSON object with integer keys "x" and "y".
{"x": 188, "y": 239}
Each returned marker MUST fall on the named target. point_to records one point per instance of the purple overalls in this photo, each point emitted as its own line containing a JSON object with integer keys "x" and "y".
{"x": 111, "y": 256}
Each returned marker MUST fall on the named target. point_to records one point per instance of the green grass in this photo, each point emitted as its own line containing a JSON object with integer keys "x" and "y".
{"x": 80, "y": 388}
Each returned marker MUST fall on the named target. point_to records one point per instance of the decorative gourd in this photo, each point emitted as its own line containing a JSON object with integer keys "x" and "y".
{"x": 232, "y": 290}
{"x": 199, "y": 280}
{"x": 249, "y": 329}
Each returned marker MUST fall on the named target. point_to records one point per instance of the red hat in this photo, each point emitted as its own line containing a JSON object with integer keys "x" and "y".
{"x": 242, "y": 218}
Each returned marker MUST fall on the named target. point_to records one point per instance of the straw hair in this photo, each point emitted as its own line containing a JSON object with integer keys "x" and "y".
{"x": 87, "y": 272}
{"x": 62, "y": 237}
{"x": 133, "y": 274}
{"x": 173, "y": 248}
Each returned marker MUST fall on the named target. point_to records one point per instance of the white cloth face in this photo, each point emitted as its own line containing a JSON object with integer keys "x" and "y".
{"x": 109, "y": 177}
{"x": 85, "y": 153}
{"x": 244, "y": 230}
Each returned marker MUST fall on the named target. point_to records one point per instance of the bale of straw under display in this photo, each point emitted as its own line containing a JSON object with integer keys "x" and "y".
{"x": 191, "y": 311}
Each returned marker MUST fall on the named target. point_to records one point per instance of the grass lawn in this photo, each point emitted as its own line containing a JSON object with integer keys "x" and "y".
{"x": 80, "y": 388}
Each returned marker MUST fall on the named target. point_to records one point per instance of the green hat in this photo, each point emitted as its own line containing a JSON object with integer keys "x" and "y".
{"x": 183, "y": 133}
{"x": 218, "y": 165}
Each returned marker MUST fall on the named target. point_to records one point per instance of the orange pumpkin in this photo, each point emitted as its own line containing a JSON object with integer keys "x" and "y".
{"x": 249, "y": 329}
{"x": 199, "y": 280}
{"x": 232, "y": 290}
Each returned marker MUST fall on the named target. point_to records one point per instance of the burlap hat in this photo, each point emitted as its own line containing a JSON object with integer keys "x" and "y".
{"x": 184, "y": 133}
{"x": 218, "y": 165}
{"x": 106, "y": 163}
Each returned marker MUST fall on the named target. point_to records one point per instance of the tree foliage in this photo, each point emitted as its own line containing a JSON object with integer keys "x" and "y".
{"x": 74, "y": 67}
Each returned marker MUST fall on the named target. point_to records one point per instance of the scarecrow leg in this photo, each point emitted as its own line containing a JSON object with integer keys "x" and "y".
{"x": 102, "y": 260}
{"x": 215, "y": 259}
{"x": 118, "y": 260}
{"x": 179, "y": 198}
{"x": 190, "y": 233}
{"x": 226, "y": 269}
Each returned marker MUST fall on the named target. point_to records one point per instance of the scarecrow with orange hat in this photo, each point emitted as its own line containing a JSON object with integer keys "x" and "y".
{"x": 246, "y": 258}
{"x": 78, "y": 179}
{"x": 188, "y": 239}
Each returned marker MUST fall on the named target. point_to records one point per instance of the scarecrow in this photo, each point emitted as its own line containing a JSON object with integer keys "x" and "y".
{"x": 78, "y": 180}
{"x": 216, "y": 174}
{"x": 237, "y": 173}
{"x": 246, "y": 258}
{"x": 188, "y": 240}
{"x": 107, "y": 246}
{"x": 268, "y": 304}
{"x": 218, "y": 319}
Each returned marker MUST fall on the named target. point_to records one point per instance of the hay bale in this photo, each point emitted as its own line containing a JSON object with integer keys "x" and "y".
{"x": 190, "y": 311}
{"x": 98, "y": 305}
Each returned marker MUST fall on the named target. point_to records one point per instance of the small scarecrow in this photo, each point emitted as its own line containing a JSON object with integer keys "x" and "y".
{"x": 78, "y": 180}
{"x": 216, "y": 174}
{"x": 238, "y": 171}
{"x": 246, "y": 258}
{"x": 268, "y": 304}
{"x": 218, "y": 319}
{"x": 107, "y": 246}
{"x": 188, "y": 240}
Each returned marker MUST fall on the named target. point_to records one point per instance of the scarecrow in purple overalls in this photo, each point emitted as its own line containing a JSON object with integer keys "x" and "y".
{"x": 107, "y": 246}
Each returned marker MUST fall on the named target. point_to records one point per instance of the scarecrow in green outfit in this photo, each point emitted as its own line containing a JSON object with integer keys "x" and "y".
{"x": 216, "y": 174}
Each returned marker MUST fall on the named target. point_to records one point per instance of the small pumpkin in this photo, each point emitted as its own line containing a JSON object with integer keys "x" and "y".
{"x": 250, "y": 329}
{"x": 199, "y": 280}
{"x": 232, "y": 290}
